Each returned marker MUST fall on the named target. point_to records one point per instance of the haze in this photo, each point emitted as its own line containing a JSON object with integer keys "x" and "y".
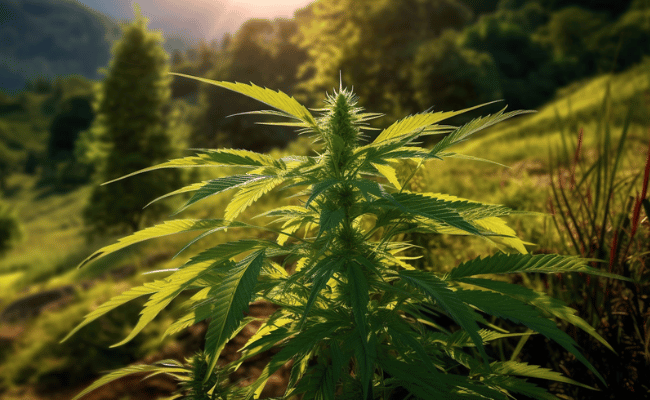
{"x": 197, "y": 19}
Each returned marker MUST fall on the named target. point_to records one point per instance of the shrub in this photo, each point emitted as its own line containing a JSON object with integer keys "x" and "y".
{"x": 356, "y": 320}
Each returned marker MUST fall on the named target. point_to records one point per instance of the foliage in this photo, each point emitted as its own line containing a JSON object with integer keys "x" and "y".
{"x": 356, "y": 319}
{"x": 445, "y": 73}
{"x": 481, "y": 6}
{"x": 8, "y": 160}
{"x": 131, "y": 128}
{"x": 525, "y": 76}
{"x": 373, "y": 42}
{"x": 624, "y": 42}
{"x": 10, "y": 228}
{"x": 63, "y": 169}
{"x": 598, "y": 215}
{"x": 257, "y": 42}
{"x": 569, "y": 34}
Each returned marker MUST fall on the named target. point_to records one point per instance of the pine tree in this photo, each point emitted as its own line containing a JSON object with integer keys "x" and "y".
{"x": 131, "y": 128}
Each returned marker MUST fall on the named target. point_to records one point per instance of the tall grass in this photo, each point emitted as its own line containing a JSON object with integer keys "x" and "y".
{"x": 600, "y": 210}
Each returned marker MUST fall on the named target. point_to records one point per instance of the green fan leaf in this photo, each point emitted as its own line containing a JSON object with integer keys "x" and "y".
{"x": 189, "y": 188}
{"x": 442, "y": 211}
{"x": 330, "y": 219}
{"x": 555, "y": 307}
{"x": 462, "y": 133}
{"x": 359, "y": 298}
{"x": 404, "y": 335}
{"x": 220, "y": 185}
{"x": 228, "y": 250}
{"x": 506, "y": 307}
{"x": 318, "y": 189}
{"x": 411, "y": 376}
{"x": 199, "y": 313}
{"x": 462, "y": 338}
{"x": 325, "y": 269}
{"x": 231, "y": 300}
{"x": 175, "y": 284}
{"x": 532, "y": 371}
{"x": 521, "y": 263}
{"x": 389, "y": 173}
{"x": 521, "y": 386}
{"x": 450, "y": 301}
{"x": 300, "y": 344}
{"x": 113, "y": 303}
{"x": 317, "y": 383}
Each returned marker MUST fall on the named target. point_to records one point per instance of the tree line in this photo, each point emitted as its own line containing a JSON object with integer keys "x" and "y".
{"x": 401, "y": 56}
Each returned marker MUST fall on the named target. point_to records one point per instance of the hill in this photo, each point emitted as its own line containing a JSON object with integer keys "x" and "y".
{"x": 48, "y": 38}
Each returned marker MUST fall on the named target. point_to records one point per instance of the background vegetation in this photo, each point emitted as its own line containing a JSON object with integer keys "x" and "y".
{"x": 401, "y": 56}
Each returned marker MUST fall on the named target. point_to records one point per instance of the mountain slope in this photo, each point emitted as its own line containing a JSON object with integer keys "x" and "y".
{"x": 48, "y": 38}
{"x": 45, "y": 38}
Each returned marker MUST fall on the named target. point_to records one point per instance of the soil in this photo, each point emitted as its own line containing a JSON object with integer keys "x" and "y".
{"x": 188, "y": 343}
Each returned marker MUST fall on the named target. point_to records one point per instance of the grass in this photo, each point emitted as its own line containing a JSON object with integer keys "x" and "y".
{"x": 8, "y": 280}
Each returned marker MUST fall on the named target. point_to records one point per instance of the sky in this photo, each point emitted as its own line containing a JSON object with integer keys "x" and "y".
{"x": 195, "y": 19}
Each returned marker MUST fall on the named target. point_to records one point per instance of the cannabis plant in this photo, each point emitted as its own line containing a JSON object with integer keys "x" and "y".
{"x": 356, "y": 320}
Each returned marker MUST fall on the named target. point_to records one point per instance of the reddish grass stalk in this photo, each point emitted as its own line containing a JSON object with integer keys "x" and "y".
{"x": 635, "y": 215}
{"x": 646, "y": 174}
{"x": 637, "y": 203}
{"x": 639, "y": 198}
{"x": 576, "y": 156}
{"x": 612, "y": 250}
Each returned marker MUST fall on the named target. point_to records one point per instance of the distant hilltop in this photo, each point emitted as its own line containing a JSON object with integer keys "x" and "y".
{"x": 47, "y": 38}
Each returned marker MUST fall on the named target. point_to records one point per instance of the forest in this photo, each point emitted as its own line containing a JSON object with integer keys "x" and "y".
{"x": 577, "y": 159}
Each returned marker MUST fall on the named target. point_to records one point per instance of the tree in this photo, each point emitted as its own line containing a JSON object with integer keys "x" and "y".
{"x": 625, "y": 41}
{"x": 130, "y": 129}
{"x": 448, "y": 76}
{"x": 571, "y": 35}
{"x": 506, "y": 35}
{"x": 10, "y": 228}
{"x": 257, "y": 43}
{"x": 371, "y": 41}
{"x": 479, "y": 7}
{"x": 9, "y": 159}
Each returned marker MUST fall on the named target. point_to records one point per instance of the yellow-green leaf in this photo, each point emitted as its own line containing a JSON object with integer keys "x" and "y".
{"x": 248, "y": 194}
{"x": 122, "y": 298}
{"x": 418, "y": 121}
{"x": 213, "y": 158}
{"x": 390, "y": 174}
{"x": 164, "y": 229}
{"x": 277, "y": 100}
